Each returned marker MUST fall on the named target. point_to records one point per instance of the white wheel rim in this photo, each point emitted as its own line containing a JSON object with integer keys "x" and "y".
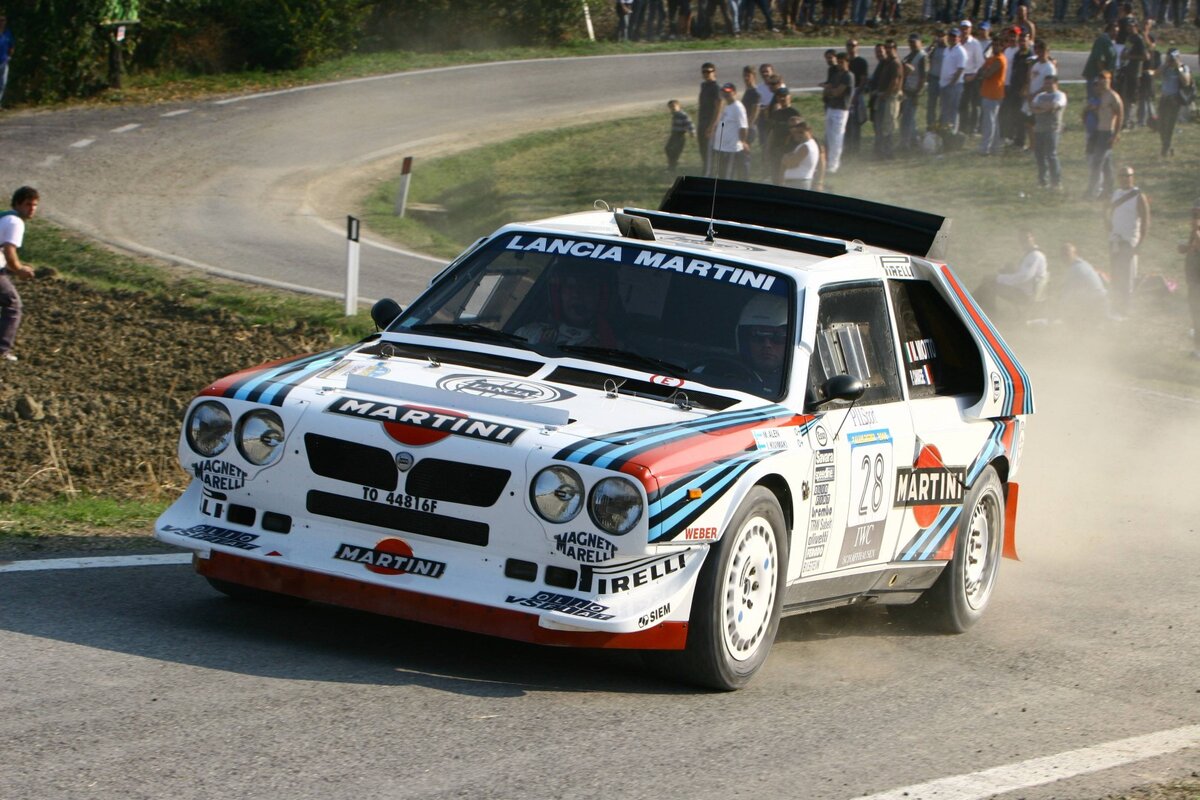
{"x": 749, "y": 588}
{"x": 980, "y": 551}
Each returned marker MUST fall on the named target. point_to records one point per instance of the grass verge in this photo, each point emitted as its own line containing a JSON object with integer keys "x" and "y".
{"x": 79, "y": 515}
{"x": 989, "y": 199}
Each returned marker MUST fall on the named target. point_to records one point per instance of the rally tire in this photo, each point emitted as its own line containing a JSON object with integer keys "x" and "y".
{"x": 248, "y": 594}
{"x": 958, "y": 598}
{"x": 736, "y": 605}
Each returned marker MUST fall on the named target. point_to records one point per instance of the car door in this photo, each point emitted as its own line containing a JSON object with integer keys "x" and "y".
{"x": 856, "y": 446}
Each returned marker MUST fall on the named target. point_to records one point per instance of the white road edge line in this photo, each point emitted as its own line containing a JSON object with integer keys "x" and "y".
{"x": 95, "y": 561}
{"x": 127, "y": 128}
{"x": 82, "y": 143}
{"x": 1048, "y": 769}
{"x": 177, "y": 112}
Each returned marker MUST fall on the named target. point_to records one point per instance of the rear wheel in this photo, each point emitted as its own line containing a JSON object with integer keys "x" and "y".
{"x": 957, "y": 600}
{"x": 739, "y": 594}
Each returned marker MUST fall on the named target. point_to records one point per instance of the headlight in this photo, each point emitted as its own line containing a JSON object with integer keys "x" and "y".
{"x": 557, "y": 494}
{"x": 260, "y": 434}
{"x": 209, "y": 428}
{"x": 615, "y": 505}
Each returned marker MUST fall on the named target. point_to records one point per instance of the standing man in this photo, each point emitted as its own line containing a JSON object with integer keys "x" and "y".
{"x": 838, "y": 93}
{"x": 890, "y": 85}
{"x": 12, "y": 234}
{"x": 753, "y": 106}
{"x": 1132, "y": 61}
{"x": 1048, "y": 106}
{"x": 950, "y": 86}
{"x": 858, "y": 103}
{"x": 731, "y": 137}
{"x": 778, "y": 138}
{"x": 1103, "y": 55}
{"x": 1105, "y": 105}
{"x": 1176, "y": 82}
{"x": 914, "y": 82}
{"x": 709, "y": 114}
{"x": 1128, "y": 221}
{"x": 991, "y": 91}
{"x": 6, "y": 51}
{"x": 936, "y": 54}
{"x": 800, "y": 162}
{"x": 969, "y": 110}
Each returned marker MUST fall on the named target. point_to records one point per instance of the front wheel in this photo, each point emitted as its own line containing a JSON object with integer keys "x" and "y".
{"x": 957, "y": 599}
{"x": 736, "y": 606}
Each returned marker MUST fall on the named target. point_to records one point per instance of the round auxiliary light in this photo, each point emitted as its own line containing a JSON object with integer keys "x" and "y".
{"x": 557, "y": 494}
{"x": 209, "y": 428}
{"x": 615, "y": 506}
{"x": 260, "y": 436}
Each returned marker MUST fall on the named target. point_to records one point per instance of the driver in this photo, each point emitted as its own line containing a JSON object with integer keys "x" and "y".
{"x": 578, "y": 297}
{"x": 762, "y": 338}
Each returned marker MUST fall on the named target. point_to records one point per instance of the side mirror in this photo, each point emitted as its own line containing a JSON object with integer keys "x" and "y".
{"x": 843, "y": 387}
{"x": 384, "y": 312}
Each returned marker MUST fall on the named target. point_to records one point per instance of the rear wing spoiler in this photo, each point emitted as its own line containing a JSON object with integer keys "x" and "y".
{"x": 903, "y": 230}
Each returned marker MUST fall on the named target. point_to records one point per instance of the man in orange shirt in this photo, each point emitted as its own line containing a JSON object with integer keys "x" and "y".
{"x": 991, "y": 91}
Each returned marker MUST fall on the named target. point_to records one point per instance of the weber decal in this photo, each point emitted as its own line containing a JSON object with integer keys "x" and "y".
{"x": 700, "y": 534}
{"x": 584, "y": 547}
{"x": 211, "y": 533}
{"x": 391, "y": 557}
{"x": 414, "y": 425}
{"x": 564, "y": 603}
{"x": 219, "y": 475}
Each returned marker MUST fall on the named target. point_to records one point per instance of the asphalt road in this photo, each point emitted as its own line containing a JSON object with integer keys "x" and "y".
{"x": 261, "y": 185}
{"x": 142, "y": 682}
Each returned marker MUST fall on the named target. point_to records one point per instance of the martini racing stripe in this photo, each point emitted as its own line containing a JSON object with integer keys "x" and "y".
{"x": 275, "y": 393}
{"x": 670, "y": 509}
{"x": 1018, "y": 395}
{"x": 936, "y": 541}
{"x": 615, "y": 449}
{"x": 272, "y": 382}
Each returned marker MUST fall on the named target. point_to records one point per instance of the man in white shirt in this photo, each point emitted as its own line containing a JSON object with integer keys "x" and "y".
{"x": 1020, "y": 287}
{"x": 969, "y": 108}
{"x": 1082, "y": 297}
{"x": 800, "y": 162}
{"x": 731, "y": 138}
{"x": 12, "y": 234}
{"x": 950, "y": 85}
{"x": 1128, "y": 221}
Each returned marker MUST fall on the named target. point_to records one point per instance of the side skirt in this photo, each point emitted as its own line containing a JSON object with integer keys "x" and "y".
{"x": 891, "y": 584}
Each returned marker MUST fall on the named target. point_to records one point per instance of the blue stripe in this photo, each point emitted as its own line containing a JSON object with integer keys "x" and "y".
{"x": 911, "y": 552}
{"x": 300, "y": 376}
{"x": 246, "y": 389}
{"x": 947, "y": 526}
{"x": 677, "y": 519}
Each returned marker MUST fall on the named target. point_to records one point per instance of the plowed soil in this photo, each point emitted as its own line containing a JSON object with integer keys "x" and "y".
{"x": 95, "y": 402}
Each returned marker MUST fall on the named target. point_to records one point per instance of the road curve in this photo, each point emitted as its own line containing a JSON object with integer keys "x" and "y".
{"x": 260, "y": 185}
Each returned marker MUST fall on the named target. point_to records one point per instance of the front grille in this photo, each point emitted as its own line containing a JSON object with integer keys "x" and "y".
{"x": 351, "y": 462}
{"x": 454, "y": 482}
{"x": 422, "y": 523}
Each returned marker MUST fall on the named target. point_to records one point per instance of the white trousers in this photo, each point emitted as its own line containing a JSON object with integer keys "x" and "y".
{"x": 835, "y": 135}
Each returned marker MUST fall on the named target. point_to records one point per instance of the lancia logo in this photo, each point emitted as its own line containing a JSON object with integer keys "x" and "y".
{"x": 503, "y": 388}
{"x": 404, "y": 461}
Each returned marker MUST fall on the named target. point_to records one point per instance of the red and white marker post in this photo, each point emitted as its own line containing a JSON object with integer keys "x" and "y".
{"x": 402, "y": 189}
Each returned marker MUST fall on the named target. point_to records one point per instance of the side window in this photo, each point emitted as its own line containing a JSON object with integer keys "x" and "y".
{"x": 854, "y": 337}
{"x": 940, "y": 357}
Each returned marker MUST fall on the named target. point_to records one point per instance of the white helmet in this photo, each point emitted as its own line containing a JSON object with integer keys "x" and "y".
{"x": 763, "y": 310}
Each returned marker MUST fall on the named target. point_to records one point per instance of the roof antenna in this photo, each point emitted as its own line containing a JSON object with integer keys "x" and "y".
{"x": 711, "y": 235}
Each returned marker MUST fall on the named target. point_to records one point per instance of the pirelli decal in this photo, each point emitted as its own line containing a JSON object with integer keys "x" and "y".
{"x": 438, "y": 422}
{"x": 924, "y": 486}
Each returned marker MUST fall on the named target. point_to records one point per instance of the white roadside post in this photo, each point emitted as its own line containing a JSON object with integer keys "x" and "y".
{"x": 402, "y": 189}
{"x": 587, "y": 18}
{"x": 351, "y": 266}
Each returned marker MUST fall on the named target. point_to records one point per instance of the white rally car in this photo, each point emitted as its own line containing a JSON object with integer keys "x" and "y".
{"x": 658, "y": 430}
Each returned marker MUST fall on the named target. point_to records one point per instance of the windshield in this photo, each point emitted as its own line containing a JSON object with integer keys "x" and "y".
{"x": 624, "y": 304}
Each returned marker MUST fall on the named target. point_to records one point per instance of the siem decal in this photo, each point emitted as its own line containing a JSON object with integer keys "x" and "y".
{"x": 654, "y": 616}
{"x": 584, "y": 547}
{"x": 417, "y": 426}
{"x": 564, "y": 603}
{"x": 391, "y": 557}
{"x": 211, "y": 533}
{"x": 503, "y": 388}
{"x": 634, "y": 575}
{"x": 220, "y": 475}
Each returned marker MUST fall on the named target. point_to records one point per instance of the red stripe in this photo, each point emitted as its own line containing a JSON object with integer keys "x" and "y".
{"x": 393, "y": 602}
{"x": 997, "y": 347}
{"x": 223, "y": 385}
{"x": 682, "y": 456}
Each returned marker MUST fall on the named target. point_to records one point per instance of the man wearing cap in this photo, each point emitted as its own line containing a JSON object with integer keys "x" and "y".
{"x": 710, "y": 113}
{"x": 950, "y": 84}
{"x": 889, "y": 84}
{"x": 969, "y": 104}
{"x": 1128, "y": 220}
{"x": 778, "y": 138}
{"x": 731, "y": 139}
{"x": 914, "y": 81}
{"x": 1176, "y": 81}
{"x": 838, "y": 93}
